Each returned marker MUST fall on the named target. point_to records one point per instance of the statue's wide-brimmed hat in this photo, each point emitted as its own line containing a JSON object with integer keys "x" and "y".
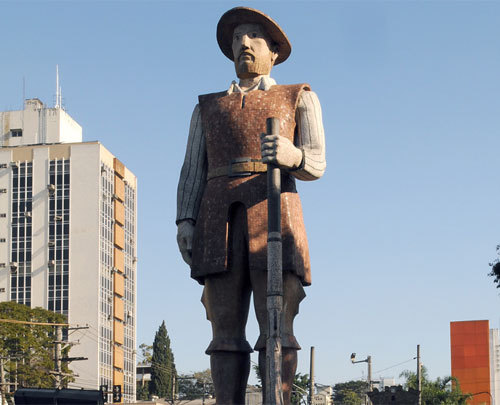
{"x": 245, "y": 15}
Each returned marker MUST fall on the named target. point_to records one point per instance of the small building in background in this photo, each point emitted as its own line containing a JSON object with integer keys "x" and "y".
{"x": 384, "y": 382}
{"x": 394, "y": 395}
{"x": 323, "y": 396}
{"x": 143, "y": 374}
{"x": 253, "y": 395}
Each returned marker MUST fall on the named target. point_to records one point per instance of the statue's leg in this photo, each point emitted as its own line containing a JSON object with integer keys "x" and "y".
{"x": 289, "y": 367}
{"x": 230, "y": 372}
{"x": 227, "y": 299}
{"x": 293, "y": 294}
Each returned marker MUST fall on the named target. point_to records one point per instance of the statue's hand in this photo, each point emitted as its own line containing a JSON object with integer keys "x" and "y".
{"x": 185, "y": 231}
{"x": 278, "y": 150}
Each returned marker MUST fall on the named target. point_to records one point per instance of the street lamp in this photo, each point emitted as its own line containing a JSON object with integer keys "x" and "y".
{"x": 369, "y": 361}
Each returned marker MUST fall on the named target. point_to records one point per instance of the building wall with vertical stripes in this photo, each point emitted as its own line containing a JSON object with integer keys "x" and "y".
{"x": 68, "y": 214}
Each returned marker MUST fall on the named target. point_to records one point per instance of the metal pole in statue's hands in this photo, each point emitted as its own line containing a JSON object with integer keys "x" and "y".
{"x": 274, "y": 389}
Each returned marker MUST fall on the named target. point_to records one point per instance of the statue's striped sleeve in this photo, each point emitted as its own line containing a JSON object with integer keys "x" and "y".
{"x": 311, "y": 137}
{"x": 193, "y": 173}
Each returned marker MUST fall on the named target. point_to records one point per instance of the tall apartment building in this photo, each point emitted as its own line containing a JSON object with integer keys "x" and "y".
{"x": 475, "y": 360}
{"x": 68, "y": 238}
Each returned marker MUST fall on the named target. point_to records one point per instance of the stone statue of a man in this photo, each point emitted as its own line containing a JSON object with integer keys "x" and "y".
{"x": 221, "y": 200}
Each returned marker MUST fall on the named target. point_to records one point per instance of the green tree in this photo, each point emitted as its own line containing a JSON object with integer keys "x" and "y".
{"x": 188, "y": 389}
{"x": 163, "y": 370}
{"x": 351, "y": 398}
{"x": 29, "y": 349}
{"x": 146, "y": 351}
{"x": 350, "y": 393}
{"x": 437, "y": 392}
{"x": 196, "y": 385}
{"x": 300, "y": 388}
{"x": 257, "y": 374}
{"x": 495, "y": 268}
{"x": 142, "y": 391}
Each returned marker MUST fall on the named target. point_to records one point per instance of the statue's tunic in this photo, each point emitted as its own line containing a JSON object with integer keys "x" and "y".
{"x": 232, "y": 124}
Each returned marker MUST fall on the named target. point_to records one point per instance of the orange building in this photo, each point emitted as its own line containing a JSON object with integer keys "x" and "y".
{"x": 470, "y": 359}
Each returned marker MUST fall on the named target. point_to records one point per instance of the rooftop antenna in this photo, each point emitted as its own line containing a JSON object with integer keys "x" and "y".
{"x": 58, "y": 89}
{"x": 24, "y": 92}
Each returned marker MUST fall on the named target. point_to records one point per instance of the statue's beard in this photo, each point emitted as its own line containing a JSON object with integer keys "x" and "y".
{"x": 247, "y": 69}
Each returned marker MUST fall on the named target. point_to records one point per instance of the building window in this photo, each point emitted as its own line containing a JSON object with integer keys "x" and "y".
{"x": 106, "y": 279}
{"x": 22, "y": 198}
{"x": 14, "y": 133}
{"x": 58, "y": 286}
{"x": 129, "y": 330}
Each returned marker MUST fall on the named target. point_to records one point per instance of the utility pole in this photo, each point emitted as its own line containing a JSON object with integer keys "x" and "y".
{"x": 2, "y": 395}
{"x": 419, "y": 376}
{"x": 368, "y": 360}
{"x": 3, "y": 382}
{"x": 57, "y": 357}
{"x": 173, "y": 388}
{"x": 203, "y": 397}
{"x": 311, "y": 374}
{"x": 370, "y": 387}
{"x": 15, "y": 378}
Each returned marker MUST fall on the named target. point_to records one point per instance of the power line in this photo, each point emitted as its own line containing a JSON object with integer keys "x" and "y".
{"x": 162, "y": 367}
{"x": 395, "y": 365}
{"x": 157, "y": 364}
{"x": 33, "y": 323}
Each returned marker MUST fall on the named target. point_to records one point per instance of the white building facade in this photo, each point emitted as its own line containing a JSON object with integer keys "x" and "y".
{"x": 323, "y": 396}
{"x": 384, "y": 382}
{"x": 68, "y": 243}
{"x": 495, "y": 366}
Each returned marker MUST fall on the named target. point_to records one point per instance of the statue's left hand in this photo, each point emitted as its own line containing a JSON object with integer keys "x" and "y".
{"x": 278, "y": 150}
{"x": 185, "y": 232}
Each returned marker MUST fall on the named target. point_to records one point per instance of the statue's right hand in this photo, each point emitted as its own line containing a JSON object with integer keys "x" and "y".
{"x": 185, "y": 231}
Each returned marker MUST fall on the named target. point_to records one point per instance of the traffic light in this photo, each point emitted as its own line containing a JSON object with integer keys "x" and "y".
{"x": 104, "y": 392}
{"x": 117, "y": 393}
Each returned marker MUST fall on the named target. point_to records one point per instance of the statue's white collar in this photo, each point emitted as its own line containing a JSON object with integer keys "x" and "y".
{"x": 264, "y": 83}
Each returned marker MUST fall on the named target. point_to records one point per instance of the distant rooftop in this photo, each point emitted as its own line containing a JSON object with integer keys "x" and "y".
{"x": 38, "y": 124}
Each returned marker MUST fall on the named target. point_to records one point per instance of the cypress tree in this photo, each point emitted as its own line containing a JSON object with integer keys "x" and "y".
{"x": 162, "y": 365}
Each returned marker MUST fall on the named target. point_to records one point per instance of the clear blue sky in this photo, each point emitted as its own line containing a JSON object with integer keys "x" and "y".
{"x": 403, "y": 224}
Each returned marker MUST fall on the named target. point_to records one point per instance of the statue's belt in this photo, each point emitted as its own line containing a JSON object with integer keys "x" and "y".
{"x": 239, "y": 167}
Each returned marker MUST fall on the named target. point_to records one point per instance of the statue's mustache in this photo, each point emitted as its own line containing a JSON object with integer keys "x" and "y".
{"x": 246, "y": 53}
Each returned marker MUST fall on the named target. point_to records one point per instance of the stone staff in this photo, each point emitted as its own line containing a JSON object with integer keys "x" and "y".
{"x": 274, "y": 391}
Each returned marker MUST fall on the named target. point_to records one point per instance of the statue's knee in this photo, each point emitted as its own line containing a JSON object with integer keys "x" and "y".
{"x": 228, "y": 345}
{"x": 288, "y": 341}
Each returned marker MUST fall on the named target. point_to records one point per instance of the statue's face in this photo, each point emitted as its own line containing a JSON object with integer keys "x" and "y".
{"x": 253, "y": 51}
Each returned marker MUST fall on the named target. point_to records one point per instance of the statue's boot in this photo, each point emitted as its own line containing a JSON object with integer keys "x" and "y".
{"x": 230, "y": 376}
{"x": 288, "y": 369}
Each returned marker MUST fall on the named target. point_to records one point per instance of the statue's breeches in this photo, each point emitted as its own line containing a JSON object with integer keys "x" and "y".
{"x": 226, "y": 296}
